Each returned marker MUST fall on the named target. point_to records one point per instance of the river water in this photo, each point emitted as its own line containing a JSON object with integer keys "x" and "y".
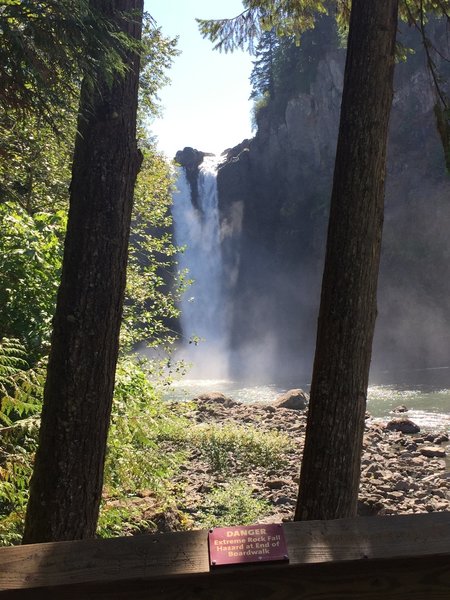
{"x": 426, "y": 393}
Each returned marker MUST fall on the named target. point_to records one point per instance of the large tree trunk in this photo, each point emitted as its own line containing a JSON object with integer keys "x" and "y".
{"x": 330, "y": 471}
{"x": 68, "y": 475}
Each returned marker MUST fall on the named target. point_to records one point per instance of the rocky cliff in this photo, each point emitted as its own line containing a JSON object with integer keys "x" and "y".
{"x": 274, "y": 192}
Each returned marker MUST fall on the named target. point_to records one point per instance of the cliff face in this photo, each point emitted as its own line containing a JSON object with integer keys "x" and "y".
{"x": 274, "y": 192}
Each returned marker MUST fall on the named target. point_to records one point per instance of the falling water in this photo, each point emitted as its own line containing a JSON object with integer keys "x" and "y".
{"x": 203, "y": 315}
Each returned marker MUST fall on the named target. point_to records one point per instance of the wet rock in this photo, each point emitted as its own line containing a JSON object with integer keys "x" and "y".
{"x": 403, "y": 425}
{"x": 400, "y": 409}
{"x": 295, "y": 399}
{"x": 191, "y": 159}
{"x": 215, "y": 397}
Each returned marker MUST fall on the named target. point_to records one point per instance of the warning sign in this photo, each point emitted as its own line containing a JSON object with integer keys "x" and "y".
{"x": 247, "y": 544}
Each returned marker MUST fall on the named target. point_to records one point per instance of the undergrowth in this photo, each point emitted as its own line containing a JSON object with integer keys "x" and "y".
{"x": 140, "y": 423}
{"x": 21, "y": 389}
{"x": 233, "y": 504}
{"x": 149, "y": 441}
{"x": 224, "y": 445}
{"x": 136, "y": 458}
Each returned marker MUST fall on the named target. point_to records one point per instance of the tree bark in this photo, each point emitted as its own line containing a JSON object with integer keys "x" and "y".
{"x": 330, "y": 473}
{"x": 68, "y": 475}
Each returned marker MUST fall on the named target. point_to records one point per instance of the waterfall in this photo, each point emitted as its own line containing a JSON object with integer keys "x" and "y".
{"x": 197, "y": 230}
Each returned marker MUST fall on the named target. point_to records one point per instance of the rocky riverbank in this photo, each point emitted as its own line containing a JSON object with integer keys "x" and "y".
{"x": 401, "y": 472}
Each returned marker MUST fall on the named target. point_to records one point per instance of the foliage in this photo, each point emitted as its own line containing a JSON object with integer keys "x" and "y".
{"x": 156, "y": 58}
{"x": 140, "y": 422}
{"x": 233, "y": 504}
{"x": 35, "y": 176}
{"x": 284, "y": 68}
{"x": 20, "y": 387}
{"x": 35, "y": 165}
{"x": 47, "y": 46}
{"x": 30, "y": 261}
{"x": 284, "y": 17}
{"x": 152, "y": 290}
{"x": 222, "y": 445}
{"x": 21, "y": 391}
{"x": 120, "y": 520}
{"x": 262, "y": 75}
{"x": 291, "y": 18}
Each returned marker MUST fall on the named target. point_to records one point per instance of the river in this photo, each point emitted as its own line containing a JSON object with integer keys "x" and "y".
{"x": 425, "y": 392}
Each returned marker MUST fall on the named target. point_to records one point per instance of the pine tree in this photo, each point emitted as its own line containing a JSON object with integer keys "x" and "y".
{"x": 262, "y": 77}
{"x": 67, "y": 480}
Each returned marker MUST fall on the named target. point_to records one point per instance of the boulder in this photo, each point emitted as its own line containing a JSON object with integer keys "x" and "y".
{"x": 216, "y": 397}
{"x": 191, "y": 159}
{"x": 295, "y": 399}
{"x": 402, "y": 424}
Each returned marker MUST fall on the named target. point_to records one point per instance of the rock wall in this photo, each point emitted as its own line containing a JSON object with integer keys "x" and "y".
{"x": 274, "y": 192}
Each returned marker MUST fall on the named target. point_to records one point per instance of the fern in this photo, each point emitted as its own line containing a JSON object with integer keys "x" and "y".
{"x": 20, "y": 396}
{"x": 20, "y": 386}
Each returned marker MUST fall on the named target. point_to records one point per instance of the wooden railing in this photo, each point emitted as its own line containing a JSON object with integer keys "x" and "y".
{"x": 376, "y": 558}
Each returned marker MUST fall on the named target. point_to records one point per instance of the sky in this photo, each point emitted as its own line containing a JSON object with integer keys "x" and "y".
{"x": 206, "y": 106}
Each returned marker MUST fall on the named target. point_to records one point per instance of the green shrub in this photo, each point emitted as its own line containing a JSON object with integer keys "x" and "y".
{"x": 234, "y": 504}
{"x": 140, "y": 423}
{"x": 120, "y": 520}
{"x": 223, "y": 444}
{"x": 20, "y": 404}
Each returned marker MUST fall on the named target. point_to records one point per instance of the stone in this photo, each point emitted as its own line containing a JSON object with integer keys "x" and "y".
{"x": 400, "y": 409}
{"x": 212, "y": 397}
{"x": 396, "y": 495}
{"x": 295, "y": 399}
{"x": 191, "y": 159}
{"x": 283, "y": 500}
{"x": 402, "y": 486}
{"x": 433, "y": 452}
{"x": 411, "y": 447}
{"x": 403, "y": 425}
{"x": 276, "y": 484}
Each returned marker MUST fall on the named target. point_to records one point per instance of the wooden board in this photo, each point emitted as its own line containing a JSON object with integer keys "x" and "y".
{"x": 374, "y": 558}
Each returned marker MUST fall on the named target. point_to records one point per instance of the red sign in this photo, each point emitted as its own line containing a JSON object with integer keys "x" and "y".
{"x": 246, "y": 544}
